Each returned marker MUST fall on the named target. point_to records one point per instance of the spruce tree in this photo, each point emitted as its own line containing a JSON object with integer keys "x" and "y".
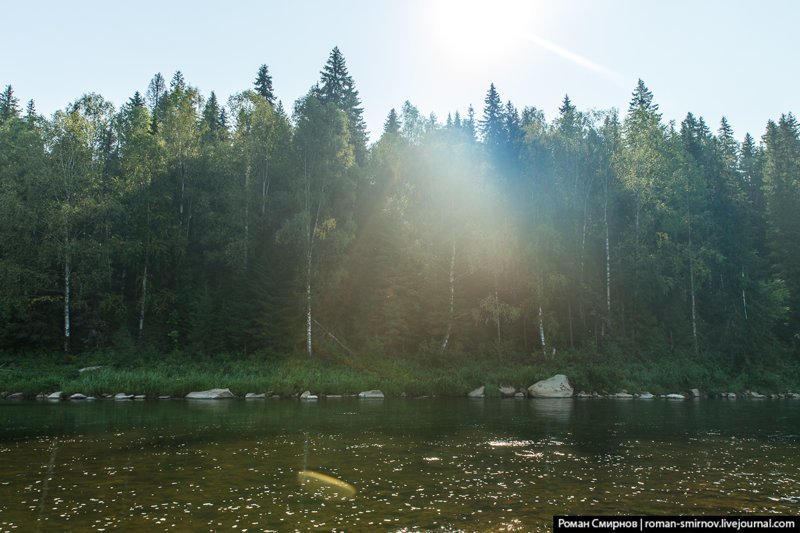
{"x": 263, "y": 84}
{"x": 336, "y": 87}
{"x": 9, "y": 104}
{"x": 492, "y": 127}
{"x": 392, "y": 124}
{"x": 155, "y": 91}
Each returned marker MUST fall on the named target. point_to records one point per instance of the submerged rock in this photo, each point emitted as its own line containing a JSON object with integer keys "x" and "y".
{"x": 553, "y": 387}
{"x": 371, "y": 395}
{"x": 477, "y": 393}
{"x": 211, "y": 394}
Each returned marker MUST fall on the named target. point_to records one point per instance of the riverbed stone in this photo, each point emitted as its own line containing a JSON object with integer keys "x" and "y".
{"x": 478, "y": 393}
{"x": 211, "y": 394}
{"x": 556, "y": 386}
{"x": 371, "y": 395}
{"x": 56, "y": 396}
{"x": 255, "y": 396}
{"x": 675, "y": 396}
{"x": 507, "y": 391}
{"x": 78, "y": 396}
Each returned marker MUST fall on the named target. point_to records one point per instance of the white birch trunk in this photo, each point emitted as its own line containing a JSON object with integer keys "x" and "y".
{"x": 246, "y": 213}
{"x": 541, "y": 332}
{"x": 744, "y": 296}
{"x": 694, "y": 308}
{"x": 446, "y": 339}
{"x": 144, "y": 300}
{"x": 67, "y": 279}
{"x": 608, "y": 256}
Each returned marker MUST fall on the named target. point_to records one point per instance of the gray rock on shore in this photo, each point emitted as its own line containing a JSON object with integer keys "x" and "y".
{"x": 675, "y": 396}
{"x": 211, "y": 394}
{"x": 255, "y": 396}
{"x": 371, "y": 395}
{"x": 306, "y": 395}
{"x": 15, "y": 396}
{"x": 506, "y": 391}
{"x": 123, "y": 396}
{"x": 553, "y": 387}
{"x": 78, "y": 396}
{"x": 56, "y": 396}
{"x": 477, "y": 393}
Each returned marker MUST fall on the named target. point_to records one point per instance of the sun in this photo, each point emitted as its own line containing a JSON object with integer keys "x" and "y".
{"x": 482, "y": 31}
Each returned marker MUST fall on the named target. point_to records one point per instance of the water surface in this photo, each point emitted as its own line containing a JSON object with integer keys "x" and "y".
{"x": 436, "y": 464}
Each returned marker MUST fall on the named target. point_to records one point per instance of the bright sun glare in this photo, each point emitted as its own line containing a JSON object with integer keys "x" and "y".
{"x": 483, "y": 31}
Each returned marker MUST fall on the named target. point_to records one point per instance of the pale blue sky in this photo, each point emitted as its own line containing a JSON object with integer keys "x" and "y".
{"x": 711, "y": 57}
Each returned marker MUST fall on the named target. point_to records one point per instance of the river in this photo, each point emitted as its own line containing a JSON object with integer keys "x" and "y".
{"x": 427, "y": 464}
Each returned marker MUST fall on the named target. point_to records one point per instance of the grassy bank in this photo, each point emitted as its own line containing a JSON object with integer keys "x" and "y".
{"x": 177, "y": 374}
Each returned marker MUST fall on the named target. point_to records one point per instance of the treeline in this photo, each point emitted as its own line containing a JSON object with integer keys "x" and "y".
{"x": 181, "y": 223}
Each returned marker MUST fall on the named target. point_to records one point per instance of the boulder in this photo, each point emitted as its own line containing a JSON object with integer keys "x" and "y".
{"x": 255, "y": 396}
{"x": 15, "y": 396}
{"x": 622, "y": 396}
{"x": 554, "y": 387}
{"x": 55, "y": 396}
{"x": 164, "y": 397}
{"x": 275, "y": 397}
{"x": 583, "y": 394}
{"x": 212, "y": 394}
{"x": 41, "y": 396}
{"x": 123, "y": 396}
{"x": 506, "y": 391}
{"x": 308, "y": 396}
{"x": 754, "y": 394}
{"x": 695, "y": 393}
{"x": 674, "y": 396}
{"x": 333, "y": 396}
{"x": 477, "y": 393}
{"x": 793, "y": 396}
{"x": 519, "y": 395}
{"x": 646, "y": 396}
{"x": 371, "y": 395}
{"x": 140, "y": 397}
{"x": 78, "y": 396}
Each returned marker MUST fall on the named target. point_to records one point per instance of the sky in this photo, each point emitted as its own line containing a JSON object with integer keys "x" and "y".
{"x": 713, "y": 58}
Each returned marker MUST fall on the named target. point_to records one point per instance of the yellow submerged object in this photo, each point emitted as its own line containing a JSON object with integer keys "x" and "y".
{"x": 326, "y": 486}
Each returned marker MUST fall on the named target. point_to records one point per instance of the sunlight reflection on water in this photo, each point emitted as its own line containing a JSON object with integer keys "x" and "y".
{"x": 417, "y": 465}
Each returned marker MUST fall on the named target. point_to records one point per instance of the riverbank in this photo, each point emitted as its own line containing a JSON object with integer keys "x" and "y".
{"x": 176, "y": 375}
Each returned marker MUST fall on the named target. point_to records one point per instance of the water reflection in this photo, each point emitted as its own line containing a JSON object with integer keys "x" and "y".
{"x": 436, "y": 464}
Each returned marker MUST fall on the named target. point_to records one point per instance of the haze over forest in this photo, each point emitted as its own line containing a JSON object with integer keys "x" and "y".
{"x": 179, "y": 222}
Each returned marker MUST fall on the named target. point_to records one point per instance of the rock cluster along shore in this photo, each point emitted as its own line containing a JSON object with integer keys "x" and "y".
{"x": 556, "y": 386}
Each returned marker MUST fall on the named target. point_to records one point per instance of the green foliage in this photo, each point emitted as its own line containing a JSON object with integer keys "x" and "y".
{"x": 627, "y": 253}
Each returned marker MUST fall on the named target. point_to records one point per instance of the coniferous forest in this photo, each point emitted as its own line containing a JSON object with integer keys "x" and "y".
{"x": 180, "y": 223}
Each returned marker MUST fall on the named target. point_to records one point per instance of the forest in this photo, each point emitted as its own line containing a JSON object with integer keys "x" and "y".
{"x": 179, "y": 223}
